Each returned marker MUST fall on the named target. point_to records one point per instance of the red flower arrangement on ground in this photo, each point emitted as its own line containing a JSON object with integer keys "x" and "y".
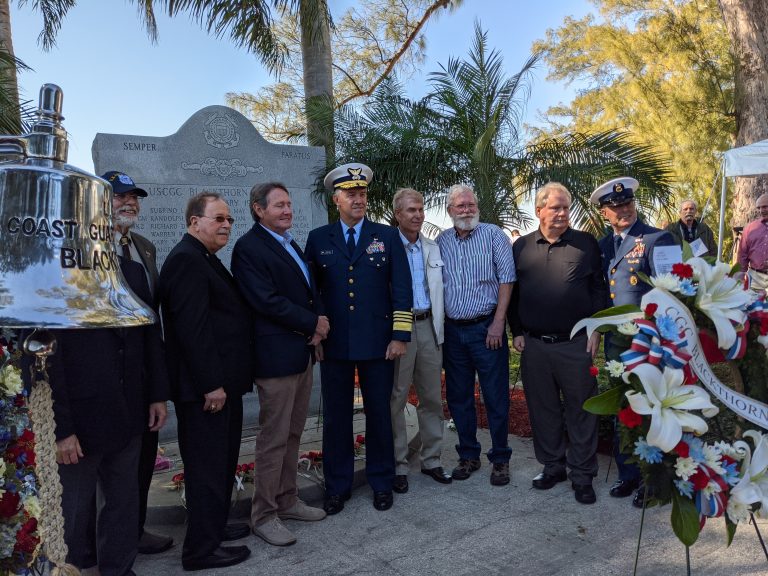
{"x": 19, "y": 505}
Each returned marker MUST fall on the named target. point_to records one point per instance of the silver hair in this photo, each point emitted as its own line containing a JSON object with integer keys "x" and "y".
{"x": 542, "y": 194}
{"x": 457, "y": 189}
{"x": 402, "y": 194}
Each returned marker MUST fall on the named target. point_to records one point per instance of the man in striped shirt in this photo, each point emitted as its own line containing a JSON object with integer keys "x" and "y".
{"x": 478, "y": 276}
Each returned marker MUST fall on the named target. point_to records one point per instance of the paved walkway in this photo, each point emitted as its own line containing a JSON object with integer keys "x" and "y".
{"x": 471, "y": 527}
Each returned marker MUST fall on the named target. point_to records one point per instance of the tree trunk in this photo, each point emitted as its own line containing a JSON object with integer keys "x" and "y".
{"x": 7, "y": 72}
{"x": 746, "y": 23}
{"x": 317, "y": 64}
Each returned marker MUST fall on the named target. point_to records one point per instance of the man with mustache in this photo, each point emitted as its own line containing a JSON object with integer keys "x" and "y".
{"x": 477, "y": 277}
{"x": 559, "y": 282}
{"x": 753, "y": 248}
{"x": 690, "y": 229}
{"x": 126, "y": 207}
{"x": 209, "y": 342}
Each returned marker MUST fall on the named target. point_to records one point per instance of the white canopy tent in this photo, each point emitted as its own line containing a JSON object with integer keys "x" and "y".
{"x": 751, "y": 160}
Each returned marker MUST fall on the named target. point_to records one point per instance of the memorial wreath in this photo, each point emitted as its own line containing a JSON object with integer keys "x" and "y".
{"x": 660, "y": 358}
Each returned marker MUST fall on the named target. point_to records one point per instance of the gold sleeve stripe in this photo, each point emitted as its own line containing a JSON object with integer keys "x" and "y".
{"x": 402, "y": 320}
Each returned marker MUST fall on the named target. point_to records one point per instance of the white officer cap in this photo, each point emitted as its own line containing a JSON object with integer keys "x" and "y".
{"x": 354, "y": 175}
{"x": 615, "y": 192}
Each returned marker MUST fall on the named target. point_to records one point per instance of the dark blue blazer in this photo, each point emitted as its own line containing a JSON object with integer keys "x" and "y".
{"x": 367, "y": 297}
{"x": 634, "y": 255}
{"x": 208, "y": 325}
{"x": 283, "y": 302}
{"x": 103, "y": 379}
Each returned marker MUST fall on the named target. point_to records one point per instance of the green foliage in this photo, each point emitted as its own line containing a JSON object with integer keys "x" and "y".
{"x": 607, "y": 403}
{"x": 467, "y": 130}
{"x": 685, "y": 519}
{"x": 370, "y": 40}
{"x": 659, "y": 70}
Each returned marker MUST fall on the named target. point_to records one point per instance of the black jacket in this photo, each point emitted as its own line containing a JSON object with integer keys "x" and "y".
{"x": 208, "y": 325}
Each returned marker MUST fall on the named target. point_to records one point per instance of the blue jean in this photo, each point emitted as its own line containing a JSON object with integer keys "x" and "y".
{"x": 464, "y": 353}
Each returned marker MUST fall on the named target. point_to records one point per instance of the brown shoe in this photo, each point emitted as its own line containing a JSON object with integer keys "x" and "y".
{"x": 500, "y": 474}
{"x": 465, "y": 468}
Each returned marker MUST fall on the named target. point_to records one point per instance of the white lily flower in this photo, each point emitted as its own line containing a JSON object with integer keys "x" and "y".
{"x": 753, "y": 485}
{"x": 592, "y": 324}
{"x": 721, "y": 298}
{"x": 667, "y": 281}
{"x": 667, "y": 401}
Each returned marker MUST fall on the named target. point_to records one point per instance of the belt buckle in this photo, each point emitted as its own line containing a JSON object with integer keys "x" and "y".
{"x": 548, "y": 339}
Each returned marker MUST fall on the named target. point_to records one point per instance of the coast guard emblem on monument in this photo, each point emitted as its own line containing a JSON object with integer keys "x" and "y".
{"x": 221, "y": 131}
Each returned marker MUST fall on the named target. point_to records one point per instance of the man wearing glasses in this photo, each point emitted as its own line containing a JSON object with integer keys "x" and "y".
{"x": 478, "y": 276}
{"x": 753, "y": 248}
{"x": 126, "y": 207}
{"x": 209, "y": 342}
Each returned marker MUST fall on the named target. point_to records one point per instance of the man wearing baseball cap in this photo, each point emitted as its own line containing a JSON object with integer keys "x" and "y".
{"x": 130, "y": 245}
{"x": 626, "y": 252}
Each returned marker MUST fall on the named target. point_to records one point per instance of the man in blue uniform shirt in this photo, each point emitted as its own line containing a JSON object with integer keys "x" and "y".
{"x": 365, "y": 291}
{"x": 626, "y": 251}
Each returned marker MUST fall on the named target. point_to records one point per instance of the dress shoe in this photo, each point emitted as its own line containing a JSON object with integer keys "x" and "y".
{"x": 334, "y": 503}
{"x": 465, "y": 468}
{"x": 300, "y": 511}
{"x": 500, "y": 474}
{"x": 623, "y": 488}
{"x": 150, "y": 543}
{"x": 638, "y": 500}
{"x": 546, "y": 481}
{"x": 235, "y": 531}
{"x": 274, "y": 532}
{"x": 437, "y": 474}
{"x": 400, "y": 483}
{"x": 584, "y": 493}
{"x": 382, "y": 500}
{"x": 221, "y": 557}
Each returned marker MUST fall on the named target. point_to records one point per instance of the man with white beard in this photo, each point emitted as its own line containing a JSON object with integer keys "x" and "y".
{"x": 478, "y": 275}
{"x": 135, "y": 247}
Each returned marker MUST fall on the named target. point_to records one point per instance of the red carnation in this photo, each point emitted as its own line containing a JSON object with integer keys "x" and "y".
{"x": 9, "y": 504}
{"x": 650, "y": 310}
{"x": 593, "y": 371}
{"x": 682, "y": 270}
{"x": 360, "y": 439}
{"x": 682, "y": 449}
{"x": 27, "y": 538}
{"x": 700, "y": 479}
{"x": 629, "y": 417}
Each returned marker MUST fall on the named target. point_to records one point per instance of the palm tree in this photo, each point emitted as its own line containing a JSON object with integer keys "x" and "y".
{"x": 467, "y": 130}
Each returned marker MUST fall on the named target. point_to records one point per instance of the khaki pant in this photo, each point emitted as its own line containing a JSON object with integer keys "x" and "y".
{"x": 283, "y": 405}
{"x": 758, "y": 281}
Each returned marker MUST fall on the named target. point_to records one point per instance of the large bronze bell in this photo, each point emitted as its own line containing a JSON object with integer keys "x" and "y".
{"x": 58, "y": 264}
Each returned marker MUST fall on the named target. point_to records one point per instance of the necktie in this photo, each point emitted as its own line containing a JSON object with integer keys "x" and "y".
{"x": 351, "y": 241}
{"x": 125, "y": 244}
{"x": 617, "y": 240}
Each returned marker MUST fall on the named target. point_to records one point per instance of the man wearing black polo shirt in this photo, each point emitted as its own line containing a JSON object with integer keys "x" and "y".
{"x": 559, "y": 282}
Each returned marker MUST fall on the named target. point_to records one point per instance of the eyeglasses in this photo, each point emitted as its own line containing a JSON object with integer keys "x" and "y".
{"x": 463, "y": 207}
{"x": 219, "y": 219}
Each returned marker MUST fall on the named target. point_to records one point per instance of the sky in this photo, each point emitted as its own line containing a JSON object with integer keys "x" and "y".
{"x": 116, "y": 81}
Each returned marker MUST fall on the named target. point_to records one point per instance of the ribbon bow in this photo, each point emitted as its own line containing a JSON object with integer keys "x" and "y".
{"x": 649, "y": 347}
